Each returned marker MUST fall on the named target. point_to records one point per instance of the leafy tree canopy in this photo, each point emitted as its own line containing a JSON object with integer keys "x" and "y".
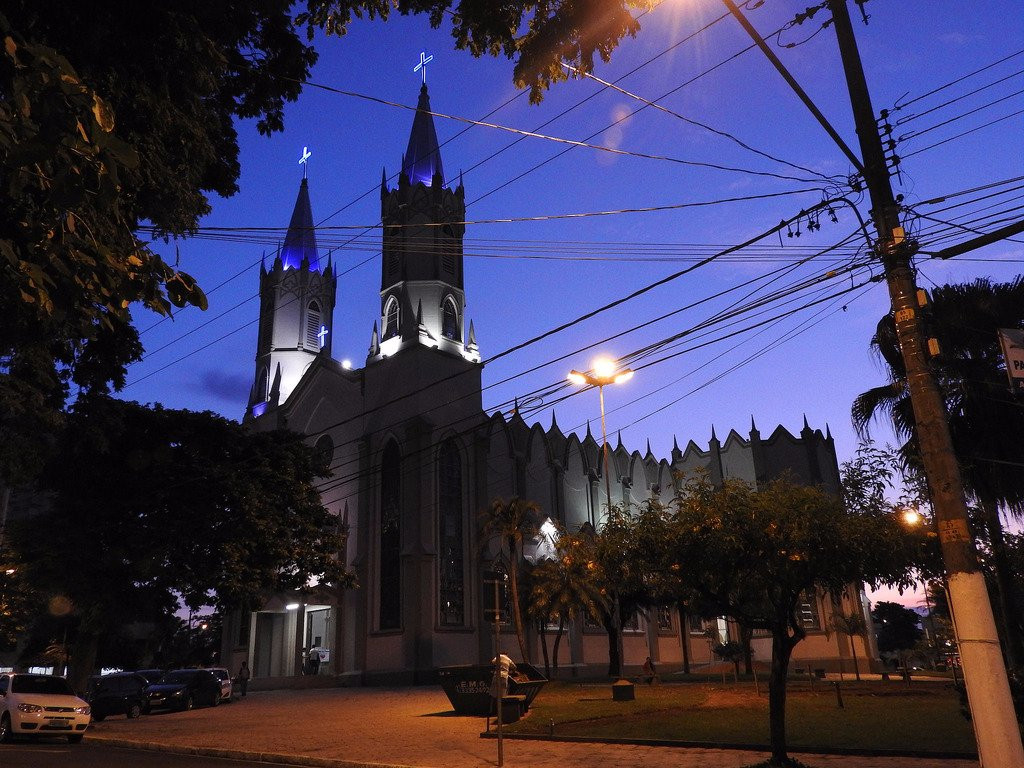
{"x": 898, "y": 627}
{"x": 153, "y": 504}
{"x": 114, "y": 116}
{"x": 538, "y": 35}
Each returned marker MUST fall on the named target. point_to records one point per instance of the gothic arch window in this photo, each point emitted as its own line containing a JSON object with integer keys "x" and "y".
{"x": 313, "y": 337}
{"x": 451, "y": 544}
{"x": 391, "y": 318}
{"x": 324, "y": 447}
{"x": 390, "y": 616}
{"x": 449, "y": 319}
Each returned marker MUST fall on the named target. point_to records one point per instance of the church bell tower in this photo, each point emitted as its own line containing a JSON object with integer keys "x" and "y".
{"x": 296, "y": 311}
{"x": 422, "y": 298}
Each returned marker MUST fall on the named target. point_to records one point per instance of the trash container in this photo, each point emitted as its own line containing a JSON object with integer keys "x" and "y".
{"x": 468, "y": 687}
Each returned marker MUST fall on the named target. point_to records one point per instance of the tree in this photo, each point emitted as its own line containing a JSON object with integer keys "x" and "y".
{"x": 899, "y": 629}
{"x": 510, "y": 524}
{"x": 565, "y": 588}
{"x": 752, "y": 554}
{"x": 155, "y": 505}
{"x": 852, "y": 625}
{"x": 539, "y": 35}
{"x": 984, "y": 420}
{"x": 114, "y": 116}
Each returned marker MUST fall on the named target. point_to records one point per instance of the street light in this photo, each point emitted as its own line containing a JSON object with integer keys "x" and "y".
{"x": 604, "y": 371}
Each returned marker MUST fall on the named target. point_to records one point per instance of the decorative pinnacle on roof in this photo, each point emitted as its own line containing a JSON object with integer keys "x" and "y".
{"x": 300, "y": 242}
{"x": 422, "y": 159}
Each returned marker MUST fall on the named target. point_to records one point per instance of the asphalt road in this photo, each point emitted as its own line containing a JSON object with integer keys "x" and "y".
{"x": 57, "y": 754}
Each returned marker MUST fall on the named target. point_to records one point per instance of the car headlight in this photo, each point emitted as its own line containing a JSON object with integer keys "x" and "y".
{"x": 83, "y": 710}
{"x": 177, "y": 693}
{"x": 29, "y": 708}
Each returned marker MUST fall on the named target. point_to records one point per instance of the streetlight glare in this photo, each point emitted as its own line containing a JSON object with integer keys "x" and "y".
{"x": 912, "y": 517}
{"x": 577, "y": 378}
{"x": 604, "y": 367}
{"x": 625, "y": 375}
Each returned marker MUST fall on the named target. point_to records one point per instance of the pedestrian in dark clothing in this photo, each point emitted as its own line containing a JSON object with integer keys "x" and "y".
{"x": 243, "y": 677}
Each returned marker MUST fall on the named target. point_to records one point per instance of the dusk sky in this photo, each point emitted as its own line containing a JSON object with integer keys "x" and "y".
{"x": 525, "y": 277}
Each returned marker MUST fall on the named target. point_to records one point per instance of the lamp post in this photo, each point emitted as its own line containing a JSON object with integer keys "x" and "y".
{"x": 603, "y": 371}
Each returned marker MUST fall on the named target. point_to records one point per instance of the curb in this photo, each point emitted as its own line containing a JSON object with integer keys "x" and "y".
{"x": 240, "y": 754}
{"x": 838, "y": 751}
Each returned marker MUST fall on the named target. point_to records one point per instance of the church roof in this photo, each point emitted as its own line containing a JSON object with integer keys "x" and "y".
{"x": 300, "y": 242}
{"x": 422, "y": 158}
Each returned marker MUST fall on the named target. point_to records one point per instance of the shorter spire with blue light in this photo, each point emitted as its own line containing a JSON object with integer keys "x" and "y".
{"x": 422, "y": 159}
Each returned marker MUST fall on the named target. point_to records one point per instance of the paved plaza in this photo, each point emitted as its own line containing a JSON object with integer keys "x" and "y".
{"x": 349, "y": 727}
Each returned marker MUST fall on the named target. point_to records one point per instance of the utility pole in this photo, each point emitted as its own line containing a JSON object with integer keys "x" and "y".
{"x": 988, "y": 691}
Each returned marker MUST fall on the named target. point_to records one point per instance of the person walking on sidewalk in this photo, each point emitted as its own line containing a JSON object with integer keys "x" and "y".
{"x": 243, "y": 677}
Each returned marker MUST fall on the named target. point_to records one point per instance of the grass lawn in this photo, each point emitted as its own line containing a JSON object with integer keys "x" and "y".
{"x": 877, "y": 715}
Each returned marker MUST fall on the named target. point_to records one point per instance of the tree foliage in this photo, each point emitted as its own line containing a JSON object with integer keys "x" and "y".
{"x": 153, "y": 504}
{"x": 984, "y": 419}
{"x": 898, "y": 627}
{"x": 539, "y": 36}
{"x": 753, "y": 554}
{"x": 114, "y": 116}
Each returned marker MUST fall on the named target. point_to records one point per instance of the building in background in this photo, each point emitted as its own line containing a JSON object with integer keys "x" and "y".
{"x": 415, "y": 458}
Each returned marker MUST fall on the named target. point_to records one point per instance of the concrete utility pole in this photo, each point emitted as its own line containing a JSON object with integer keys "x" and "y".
{"x": 988, "y": 692}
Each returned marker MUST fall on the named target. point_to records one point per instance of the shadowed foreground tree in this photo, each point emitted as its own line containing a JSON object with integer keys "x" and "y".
{"x": 113, "y": 116}
{"x": 752, "y": 554}
{"x": 540, "y": 36}
{"x": 152, "y": 504}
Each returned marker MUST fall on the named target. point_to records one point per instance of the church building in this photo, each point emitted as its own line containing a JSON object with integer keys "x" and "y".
{"x": 415, "y": 458}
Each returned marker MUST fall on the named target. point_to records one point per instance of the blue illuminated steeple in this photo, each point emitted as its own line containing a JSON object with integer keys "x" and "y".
{"x": 300, "y": 242}
{"x": 422, "y": 160}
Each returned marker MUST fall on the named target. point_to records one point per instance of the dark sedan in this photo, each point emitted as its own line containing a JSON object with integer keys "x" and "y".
{"x": 183, "y": 689}
{"x": 118, "y": 694}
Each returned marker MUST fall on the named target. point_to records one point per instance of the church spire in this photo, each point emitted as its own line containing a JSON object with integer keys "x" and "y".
{"x": 300, "y": 242}
{"x": 422, "y": 160}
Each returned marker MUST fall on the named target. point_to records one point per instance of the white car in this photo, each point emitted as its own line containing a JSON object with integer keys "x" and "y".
{"x": 41, "y": 705}
{"x": 225, "y": 682}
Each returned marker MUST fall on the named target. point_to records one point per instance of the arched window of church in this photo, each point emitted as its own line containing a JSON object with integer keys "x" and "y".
{"x": 313, "y": 335}
{"x": 449, "y": 246}
{"x": 451, "y": 579}
{"x": 391, "y": 318}
{"x": 449, "y": 319}
{"x": 390, "y": 616}
{"x": 324, "y": 447}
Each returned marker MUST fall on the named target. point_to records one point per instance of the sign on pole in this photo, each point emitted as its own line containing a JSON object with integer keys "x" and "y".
{"x": 1012, "y": 342}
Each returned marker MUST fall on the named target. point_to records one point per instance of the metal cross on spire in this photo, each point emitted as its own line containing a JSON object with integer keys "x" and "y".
{"x": 306, "y": 154}
{"x": 424, "y": 60}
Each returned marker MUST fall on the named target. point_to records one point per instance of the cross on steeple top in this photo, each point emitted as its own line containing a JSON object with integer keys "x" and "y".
{"x": 422, "y": 66}
{"x": 306, "y": 154}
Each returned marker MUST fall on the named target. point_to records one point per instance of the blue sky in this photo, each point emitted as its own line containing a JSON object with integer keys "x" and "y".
{"x": 526, "y": 277}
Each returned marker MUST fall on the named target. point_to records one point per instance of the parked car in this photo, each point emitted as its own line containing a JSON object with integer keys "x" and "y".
{"x": 151, "y": 675}
{"x": 225, "y": 682}
{"x": 183, "y": 689}
{"x": 118, "y": 694}
{"x": 41, "y": 705}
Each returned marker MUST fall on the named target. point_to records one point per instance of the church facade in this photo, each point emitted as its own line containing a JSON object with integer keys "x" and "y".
{"x": 415, "y": 458}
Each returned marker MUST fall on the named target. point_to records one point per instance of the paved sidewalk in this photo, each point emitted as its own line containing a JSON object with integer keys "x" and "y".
{"x": 348, "y": 727}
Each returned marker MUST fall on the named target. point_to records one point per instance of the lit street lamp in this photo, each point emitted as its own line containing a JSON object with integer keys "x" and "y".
{"x": 604, "y": 371}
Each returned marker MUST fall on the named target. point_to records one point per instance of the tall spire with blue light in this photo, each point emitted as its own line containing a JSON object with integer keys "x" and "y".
{"x": 421, "y": 289}
{"x": 422, "y": 159}
{"x": 300, "y": 243}
{"x": 296, "y": 309}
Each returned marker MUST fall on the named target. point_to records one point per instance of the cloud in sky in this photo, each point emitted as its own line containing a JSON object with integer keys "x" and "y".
{"x": 228, "y": 387}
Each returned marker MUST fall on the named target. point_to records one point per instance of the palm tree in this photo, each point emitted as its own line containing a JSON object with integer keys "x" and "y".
{"x": 565, "y": 588}
{"x": 510, "y": 524}
{"x": 985, "y": 421}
